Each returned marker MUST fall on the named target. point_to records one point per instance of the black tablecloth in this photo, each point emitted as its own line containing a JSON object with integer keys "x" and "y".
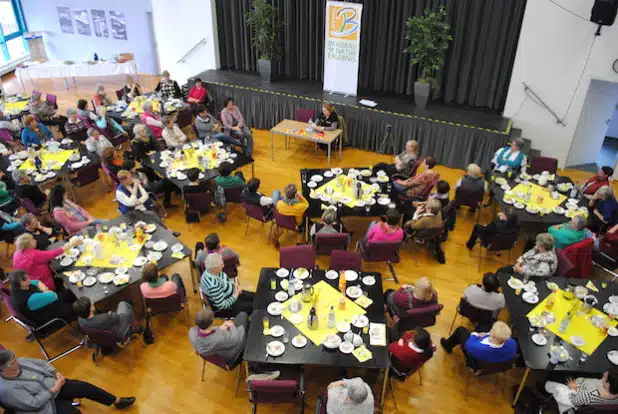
{"x": 255, "y": 349}
{"x": 118, "y": 115}
{"x": 537, "y": 357}
{"x": 95, "y": 292}
{"x": 315, "y": 209}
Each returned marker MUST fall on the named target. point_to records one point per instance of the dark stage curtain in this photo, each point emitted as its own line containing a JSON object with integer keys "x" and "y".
{"x": 477, "y": 67}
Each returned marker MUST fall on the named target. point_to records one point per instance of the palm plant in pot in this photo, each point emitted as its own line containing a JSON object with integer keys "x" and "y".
{"x": 428, "y": 38}
{"x": 263, "y": 20}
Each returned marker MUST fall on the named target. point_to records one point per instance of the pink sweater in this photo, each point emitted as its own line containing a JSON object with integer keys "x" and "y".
{"x": 166, "y": 289}
{"x": 36, "y": 264}
{"x": 381, "y": 232}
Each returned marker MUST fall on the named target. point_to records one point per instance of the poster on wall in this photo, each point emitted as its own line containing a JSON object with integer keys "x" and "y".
{"x": 99, "y": 23}
{"x": 342, "y": 47}
{"x": 82, "y": 22}
{"x": 119, "y": 28}
{"x": 65, "y": 19}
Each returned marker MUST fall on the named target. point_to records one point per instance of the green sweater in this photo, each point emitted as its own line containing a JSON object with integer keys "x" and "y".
{"x": 230, "y": 181}
{"x": 566, "y": 236}
{"x": 5, "y": 197}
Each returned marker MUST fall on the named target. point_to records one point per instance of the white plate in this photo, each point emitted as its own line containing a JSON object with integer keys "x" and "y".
{"x": 539, "y": 339}
{"x": 201, "y": 176}
{"x": 530, "y": 288}
{"x": 66, "y": 261}
{"x": 275, "y": 348}
{"x": 90, "y": 281}
{"x": 160, "y": 246}
{"x": 384, "y": 201}
{"x": 366, "y": 173}
{"x": 346, "y": 347}
{"x": 381, "y": 173}
{"x": 11, "y": 168}
{"x": 360, "y": 203}
{"x": 383, "y": 179}
{"x": 313, "y": 195}
{"x": 360, "y": 321}
{"x": 276, "y": 331}
{"x": 505, "y": 187}
{"x": 350, "y": 275}
{"x": 369, "y": 280}
{"x": 530, "y": 297}
{"x": 312, "y": 184}
{"x": 77, "y": 277}
{"x": 328, "y": 174}
{"x": 51, "y": 174}
{"x": 121, "y": 270}
{"x": 106, "y": 277}
{"x": 519, "y": 206}
{"x": 611, "y": 308}
{"x": 121, "y": 279}
{"x": 332, "y": 274}
{"x": 154, "y": 256}
{"x": 317, "y": 178}
{"x": 296, "y": 318}
{"x": 149, "y": 244}
{"x": 282, "y": 272}
{"x": 577, "y": 340}
{"x": 532, "y": 210}
{"x": 281, "y": 296}
{"x": 76, "y": 165}
{"x": 150, "y": 228}
{"x": 297, "y": 284}
{"x": 515, "y": 283}
{"x": 177, "y": 247}
{"x": 301, "y": 273}
{"x": 558, "y": 210}
{"x": 140, "y": 261}
{"x": 612, "y": 331}
{"x": 332, "y": 341}
{"x": 613, "y": 299}
{"x": 613, "y": 357}
{"x": 275, "y": 308}
{"x": 343, "y": 327}
{"x": 299, "y": 341}
{"x": 354, "y": 292}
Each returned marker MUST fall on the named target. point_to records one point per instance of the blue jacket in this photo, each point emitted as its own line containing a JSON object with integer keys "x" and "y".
{"x": 29, "y": 137}
{"x": 485, "y": 353}
{"x": 609, "y": 210}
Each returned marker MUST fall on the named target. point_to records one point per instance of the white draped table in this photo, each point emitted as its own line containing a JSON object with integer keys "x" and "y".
{"x": 58, "y": 69}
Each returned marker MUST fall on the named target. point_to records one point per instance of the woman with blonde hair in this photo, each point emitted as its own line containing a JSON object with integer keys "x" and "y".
{"x": 107, "y": 125}
{"x": 420, "y": 295}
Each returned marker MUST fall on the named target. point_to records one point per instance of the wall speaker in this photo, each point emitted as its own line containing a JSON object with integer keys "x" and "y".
{"x": 604, "y": 12}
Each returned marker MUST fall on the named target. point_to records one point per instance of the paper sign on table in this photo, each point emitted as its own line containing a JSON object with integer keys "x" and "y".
{"x": 178, "y": 255}
{"x": 591, "y": 286}
{"x": 363, "y": 301}
{"x": 362, "y": 353}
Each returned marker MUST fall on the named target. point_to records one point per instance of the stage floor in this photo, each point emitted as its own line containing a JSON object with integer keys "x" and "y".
{"x": 478, "y": 118}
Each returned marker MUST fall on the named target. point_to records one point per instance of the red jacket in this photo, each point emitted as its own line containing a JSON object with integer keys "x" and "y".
{"x": 406, "y": 357}
{"x": 593, "y": 184}
{"x": 199, "y": 94}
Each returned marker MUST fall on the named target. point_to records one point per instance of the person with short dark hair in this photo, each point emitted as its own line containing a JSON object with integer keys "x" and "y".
{"x": 25, "y": 189}
{"x": 594, "y": 183}
{"x": 251, "y": 195}
{"x": 225, "y": 179}
{"x": 416, "y": 186}
{"x": 213, "y": 245}
{"x": 155, "y": 286}
{"x": 226, "y": 340}
{"x": 412, "y": 350}
{"x": 486, "y": 296}
{"x": 194, "y": 186}
{"x": 42, "y": 234}
{"x": 84, "y": 113}
{"x": 387, "y": 229}
{"x": 208, "y": 128}
{"x": 584, "y": 392}
{"x": 29, "y": 385}
{"x": 506, "y": 222}
{"x": 197, "y": 93}
{"x": 292, "y": 203}
{"x": 118, "y": 322}
{"x": 234, "y": 125}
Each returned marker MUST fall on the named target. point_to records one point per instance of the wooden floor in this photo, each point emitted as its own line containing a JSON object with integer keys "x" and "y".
{"x": 166, "y": 375}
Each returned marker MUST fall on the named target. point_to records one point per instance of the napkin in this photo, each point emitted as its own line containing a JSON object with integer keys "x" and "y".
{"x": 591, "y": 286}
{"x": 178, "y": 255}
{"x": 363, "y": 301}
{"x": 377, "y": 340}
{"x": 362, "y": 354}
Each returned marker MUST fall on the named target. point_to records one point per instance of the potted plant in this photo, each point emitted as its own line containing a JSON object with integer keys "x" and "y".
{"x": 428, "y": 38}
{"x": 263, "y": 20}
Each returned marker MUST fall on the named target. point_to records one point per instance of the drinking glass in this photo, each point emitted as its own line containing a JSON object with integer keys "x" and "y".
{"x": 273, "y": 283}
{"x": 286, "y": 337}
{"x": 367, "y": 208}
{"x": 266, "y": 323}
{"x": 583, "y": 357}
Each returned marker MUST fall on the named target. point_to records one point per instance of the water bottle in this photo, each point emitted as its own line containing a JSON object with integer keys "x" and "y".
{"x": 574, "y": 191}
{"x": 331, "y": 317}
{"x": 291, "y": 290}
{"x": 310, "y": 128}
{"x": 564, "y": 323}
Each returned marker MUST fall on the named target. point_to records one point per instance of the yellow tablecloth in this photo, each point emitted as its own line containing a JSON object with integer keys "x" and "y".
{"x": 20, "y": 105}
{"x": 328, "y": 296}
{"x": 191, "y": 160}
{"x": 60, "y": 157}
{"x": 110, "y": 248}
{"x": 580, "y": 324}
{"x": 537, "y": 191}
{"x": 136, "y": 106}
{"x": 342, "y": 187}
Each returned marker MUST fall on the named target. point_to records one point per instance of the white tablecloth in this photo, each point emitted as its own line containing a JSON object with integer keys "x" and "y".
{"x": 57, "y": 69}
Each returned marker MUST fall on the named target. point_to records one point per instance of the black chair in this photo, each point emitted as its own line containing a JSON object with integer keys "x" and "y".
{"x": 472, "y": 199}
{"x": 487, "y": 368}
{"x": 475, "y": 315}
{"x": 499, "y": 242}
{"x": 199, "y": 203}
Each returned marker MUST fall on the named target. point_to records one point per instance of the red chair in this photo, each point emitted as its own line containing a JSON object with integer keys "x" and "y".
{"x": 425, "y": 316}
{"x": 564, "y": 264}
{"x": 580, "y": 255}
{"x": 475, "y": 315}
{"x": 344, "y": 260}
{"x": 102, "y": 338}
{"x": 278, "y": 391}
{"x": 230, "y": 266}
{"x": 199, "y": 203}
{"x": 255, "y": 212}
{"x": 499, "y": 242}
{"x": 297, "y": 256}
{"x": 472, "y": 199}
{"x": 326, "y": 243}
{"x": 540, "y": 164}
{"x": 220, "y": 362}
{"x": 173, "y": 303}
{"x": 381, "y": 251}
{"x": 184, "y": 118}
{"x": 52, "y": 100}
{"x": 304, "y": 114}
{"x": 281, "y": 222}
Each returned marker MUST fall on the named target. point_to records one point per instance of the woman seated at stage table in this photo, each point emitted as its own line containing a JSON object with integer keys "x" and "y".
{"x": 540, "y": 261}
{"x": 34, "y": 133}
{"x": 100, "y": 98}
{"x": 420, "y": 295}
{"x": 96, "y": 142}
{"x": 494, "y": 347}
{"x": 143, "y": 143}
{"x": 167, "y": 87}
{"x": 34, "y": 300}
{"x": 130, "y": 90}
{"x": 404, "y": 162}
{"x": 84, "y": 113}
{"x": 506, "y": 222}
{"x": 74, "y": 125}
{"x": 152, "y": 120}
{"x": 510, "y": 159}
{"x": 197, "y": 93}
{"x": 594, "y": 183}
{"x": 415, "y": 187}
{"x": 172, "y": 134}
{"x": 69, "y": 215}
{"x": 349, "y": 396}
{"x": 585, "y": 392}
{"x": 108, "y": 125}
{"x": 473, "y": 181}
{"x": 292, "y": 203}
{"x": 412, "y": 350}
{"x": 604, "y": 209}
{"x": 157, "y": 287}
{"x": 570, "y": 233}
{"x": 328, "y": 120}
{"x": 36, "y": 262}
{"x": 234, "y": 125}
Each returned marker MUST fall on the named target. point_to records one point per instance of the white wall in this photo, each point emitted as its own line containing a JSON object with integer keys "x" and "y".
{"x": 42, "y": 15}
{"x": 598, "y": 107}
{"x": 551, "y": 55}
{"x": 612, "y": 130}
{"x": 179, "y": 25}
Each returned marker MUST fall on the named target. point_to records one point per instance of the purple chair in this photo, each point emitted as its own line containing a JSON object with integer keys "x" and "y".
{"x": 36, "y": 92}
{"x": 287, "y": 223}
{"x": 297, "y": 256}
{"x": 488, "y": 368}
{"x": 304, "y": 114}
{"x": 320, "y": 405}
{"x": 184, "y": 118}
{"x": 120, "y": 94}
{"x": 220, "y": 362}
{"x": 52, "y": 100}
{"x": 199, "y": 203}
{"x": 381, "y": 251}
{"x": 540, "y": 164}
{"x": 255, "y": 212}
{"x": 102, "y": 338}
{"x": 344, "y": 260}
{"x": 326, "y": 243}
{"x": 425, "y": 316}
{"x": 29, "y": 206}
{"x": 278, "y": 391}
{"x": 564, "y": 264}
{"x": 475, "y": 315}
{"x": 86, "y": 175}
{"x": 111, "y": 175}
{"x": 5, "y": 135}
{"x": 230, "y": 266}
{"x": 499, "y": 242}
{"x": 473, "y": 199}
{"x": 232, "y": 195}
{"x": 173, "y": 303}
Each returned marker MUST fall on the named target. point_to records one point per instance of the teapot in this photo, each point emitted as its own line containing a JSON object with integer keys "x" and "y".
{"x": 307, "y": 293}
{"x": 348, "y": 336}
{"x": 543, "y": 180}
{"x": 312, "y": 319}
{"x": 294, "y": 305}
{"x": 357, "y": 340}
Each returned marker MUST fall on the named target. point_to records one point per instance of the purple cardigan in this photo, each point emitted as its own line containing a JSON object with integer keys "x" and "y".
{"x": 226, "y": 119}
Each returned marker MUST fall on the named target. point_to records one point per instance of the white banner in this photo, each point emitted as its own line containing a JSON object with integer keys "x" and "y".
{"x": 342, "y": 47}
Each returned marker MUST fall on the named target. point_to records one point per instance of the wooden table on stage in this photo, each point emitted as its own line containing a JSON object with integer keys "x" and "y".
{"x": 288, "y": 127}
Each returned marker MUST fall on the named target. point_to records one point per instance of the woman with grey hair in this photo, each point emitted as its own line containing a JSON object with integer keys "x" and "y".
{"x": 510, "y": 159}
{"x": 223, "y": 293}
{"x": 604, "y": 209}
{"x": 142, "y": 143}
{"x": 569, "y": 233}
{"x": 26, "y": 190}
{"x": 540, "y": 261}
{"x": 74, "y": 125}
{"x": 100, "y": 98}
{"x": 152, "y": 120}
{"x": 349, "y": 396}
{"x": 96, "y": 142}
{"x": 172, "y": 134}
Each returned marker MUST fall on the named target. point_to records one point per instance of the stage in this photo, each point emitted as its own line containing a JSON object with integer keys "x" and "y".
{"x": 454, "y": 135}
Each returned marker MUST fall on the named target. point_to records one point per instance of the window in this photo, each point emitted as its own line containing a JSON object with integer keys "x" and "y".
{"x": 12, "y": 28}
